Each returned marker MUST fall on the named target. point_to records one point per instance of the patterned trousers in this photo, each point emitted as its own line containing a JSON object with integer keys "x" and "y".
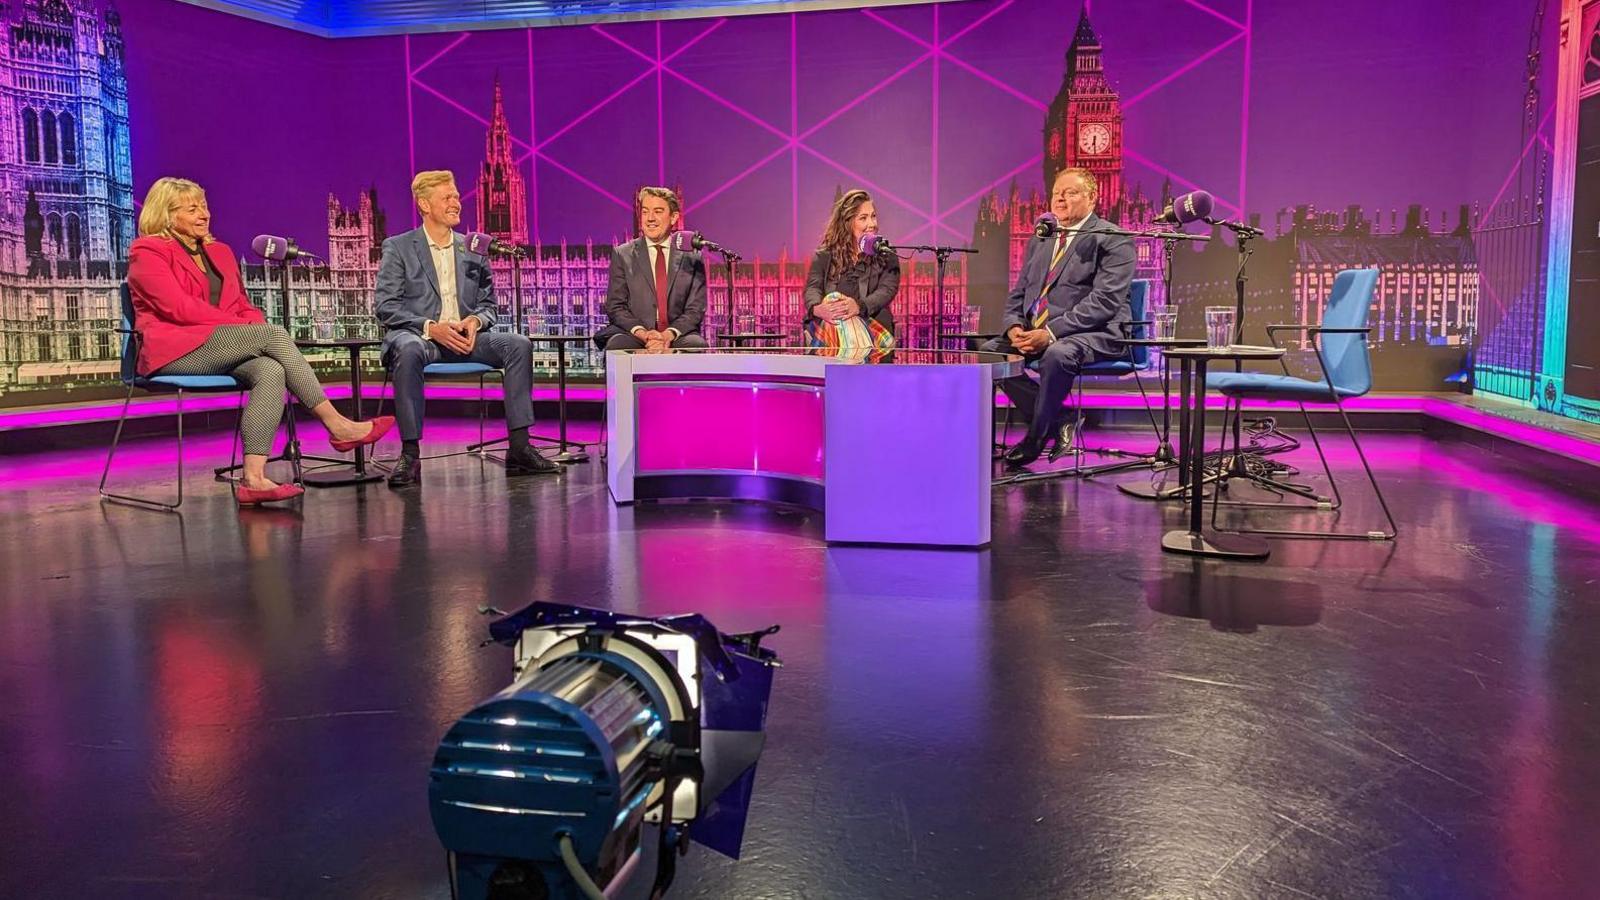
{"x": 264, "y": 358}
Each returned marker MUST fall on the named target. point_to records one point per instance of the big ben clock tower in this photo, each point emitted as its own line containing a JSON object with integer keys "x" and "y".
{"x": 1084, "y": 124}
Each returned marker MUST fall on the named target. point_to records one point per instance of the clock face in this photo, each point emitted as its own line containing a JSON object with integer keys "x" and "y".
{"x": 1094, "y": 138}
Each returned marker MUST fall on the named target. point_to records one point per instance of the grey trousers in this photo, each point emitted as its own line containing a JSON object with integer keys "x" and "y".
{"x": 263, "y": 357}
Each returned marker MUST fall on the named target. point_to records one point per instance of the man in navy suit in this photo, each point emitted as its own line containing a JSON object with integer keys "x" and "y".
{"x": 656, "y": 296}
{"x": 437, "y": 301}
{"x": 1070, "y": 303}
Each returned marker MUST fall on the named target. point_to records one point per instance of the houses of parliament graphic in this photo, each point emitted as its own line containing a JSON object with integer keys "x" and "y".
{"x": 67, "y": 218}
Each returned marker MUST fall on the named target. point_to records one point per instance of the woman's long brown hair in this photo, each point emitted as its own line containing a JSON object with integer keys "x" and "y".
{"x": 836, "y": 238}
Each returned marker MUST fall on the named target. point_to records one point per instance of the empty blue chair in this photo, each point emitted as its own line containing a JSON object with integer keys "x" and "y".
{"x": 1340, "y": 342}
{"x": 177, "y": 385}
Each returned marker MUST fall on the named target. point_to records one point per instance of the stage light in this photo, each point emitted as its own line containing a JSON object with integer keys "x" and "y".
{"x": 611, "y": 722}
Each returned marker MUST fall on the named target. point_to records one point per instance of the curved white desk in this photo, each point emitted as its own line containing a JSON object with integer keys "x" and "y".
{"x": 895, "y": 452}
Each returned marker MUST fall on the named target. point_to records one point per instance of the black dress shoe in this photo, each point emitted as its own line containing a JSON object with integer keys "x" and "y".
{"x": 1064, "y": 440}
{"x": 528, "y": 461}
{"x": 1025, "y": 452}
{"x": 406, "y": 472}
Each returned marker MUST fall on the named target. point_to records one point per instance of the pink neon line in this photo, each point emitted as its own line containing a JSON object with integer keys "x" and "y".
{"x": 794, "y": 131}
{"x": 661, "y": 115}
{"x": 863, "y": 180}
{"x": 694, "y": 40}
{"x": 995, "y": 82}
{"x": 464, "y": 111}
{"x": 707, "y": 198}
{"x": 933, "y": 144}
{"x": 1162, "y": 170}
{"x": 1546, "y": 143}
{"x": 595, "y": 108}
{"x": 411, "y": 126}
{"x": 978, "y": 195}
{"x": 901, "y": 31}
{"x": 586, "y": 182}
{"x": 1178, "y": 73}
{"x": 1226, "y": 18}
{"x": 862, "y": 98}
{"x": 624, "y": 44}
{"x": 734, "y": 107}
{"x": 1244, "y": 106}
{"x": 1537, "y": 132}
{"x": 435, "y": 58}
{"x": 533, "y": 137}
{"x": 979, "y": 21}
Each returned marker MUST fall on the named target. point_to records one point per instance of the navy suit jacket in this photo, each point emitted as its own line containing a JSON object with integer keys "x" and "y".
{"x": 1088, "y": 291}
{"x": 631, "y": 290}
{"x": 408, "y": 286}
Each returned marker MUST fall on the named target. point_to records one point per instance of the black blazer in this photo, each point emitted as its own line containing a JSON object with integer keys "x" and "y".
{"x": 631, "y": 291}
{"x": 1088, "y": 294}
{"x": 874, "y": 291}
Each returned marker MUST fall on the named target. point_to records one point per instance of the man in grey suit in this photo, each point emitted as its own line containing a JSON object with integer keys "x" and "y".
{"x": 656, "y": 297}
{"x": 1070, "y": 303}
{"x": 437, "y": 302}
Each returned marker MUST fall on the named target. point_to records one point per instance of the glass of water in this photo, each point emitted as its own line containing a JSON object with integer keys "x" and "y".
{"x": 746, "y": 323}
{"x": 1219, "y": 326}
{"x": 1164, "y": 325}
{"x": 323, "y": 324}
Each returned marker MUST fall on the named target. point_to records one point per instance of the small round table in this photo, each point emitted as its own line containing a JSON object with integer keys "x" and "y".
{"x": 738, "y": 340}
{"x": 1195, "y": 540}
{"x": 1163, "y": 455}
{"x": 331, "y": 475}
{"x": 563, "y": 455}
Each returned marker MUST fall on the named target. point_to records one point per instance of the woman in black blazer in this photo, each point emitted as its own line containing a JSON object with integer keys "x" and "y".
{"x": 844, "y": 282}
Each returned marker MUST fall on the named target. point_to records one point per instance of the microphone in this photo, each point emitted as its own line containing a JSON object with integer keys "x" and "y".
{"x": 871, "y": 244}
{"x": 281, "y": 249}
{"x": 489, "y": 245}
{"x": 1194, "y": 206}
{"x": 1047, "y": 226}
{"x": 687, "y": 241}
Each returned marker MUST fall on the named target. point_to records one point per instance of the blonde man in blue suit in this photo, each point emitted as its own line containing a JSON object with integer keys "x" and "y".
{"x": 437, "y": 301}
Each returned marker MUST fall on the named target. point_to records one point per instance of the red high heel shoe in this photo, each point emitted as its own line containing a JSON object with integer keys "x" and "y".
{"x": 380, "y": 427}
{"x": 254, "y": 497}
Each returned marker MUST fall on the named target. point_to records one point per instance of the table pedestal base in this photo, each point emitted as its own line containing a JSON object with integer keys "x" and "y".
{"x": 1214, "y": 544}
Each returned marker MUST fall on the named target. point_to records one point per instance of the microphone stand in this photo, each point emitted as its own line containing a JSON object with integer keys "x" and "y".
{"x": 728, "y": 259}
{"x": 941, "y": 257}
{"x": 1163, "y": 455}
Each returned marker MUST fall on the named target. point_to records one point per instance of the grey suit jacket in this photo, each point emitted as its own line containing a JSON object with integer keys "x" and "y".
{"x": 631, "y": 291}
{"x": 408, "y": 286}
{"x": 1088, "y": 292}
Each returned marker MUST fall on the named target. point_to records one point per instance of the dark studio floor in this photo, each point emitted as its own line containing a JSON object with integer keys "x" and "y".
{"x": 227, "y": 704}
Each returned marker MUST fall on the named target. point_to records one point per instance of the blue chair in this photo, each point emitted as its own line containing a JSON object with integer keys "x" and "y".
{"x": 452, "y": 370}
{"x": 165, "y": 384}
{"x": 1340, "y": 342}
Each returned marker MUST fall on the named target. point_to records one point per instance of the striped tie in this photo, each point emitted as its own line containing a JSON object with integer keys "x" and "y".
{"x": 1041, "y": 308}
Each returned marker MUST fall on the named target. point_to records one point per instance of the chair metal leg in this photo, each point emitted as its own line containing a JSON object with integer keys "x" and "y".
{"x": 1393, "y": 530}
{"x": 130, "y": 499}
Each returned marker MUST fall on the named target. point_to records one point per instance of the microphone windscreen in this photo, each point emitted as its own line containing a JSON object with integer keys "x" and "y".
{"x": 271, "y": 247}
{"x": 868, "y": 243}
{"x": 1192, "y": 207}
{"x": 1047, "y": 225}
{"x": 479, "y": 243}
{"x": 683, "y": 241}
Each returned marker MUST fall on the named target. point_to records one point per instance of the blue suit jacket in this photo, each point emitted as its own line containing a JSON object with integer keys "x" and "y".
{"x": 1088, "y": 291}
{"x": 408, "y": 286}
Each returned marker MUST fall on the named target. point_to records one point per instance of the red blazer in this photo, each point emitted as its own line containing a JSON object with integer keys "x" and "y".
{"x": 172, "y": 308}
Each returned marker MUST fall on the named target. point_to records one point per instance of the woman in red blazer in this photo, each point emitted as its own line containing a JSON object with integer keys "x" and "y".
{"x": 193, "y": 318}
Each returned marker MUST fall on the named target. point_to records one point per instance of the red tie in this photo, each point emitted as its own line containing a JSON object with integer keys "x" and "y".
{"x": 661, "y": 287}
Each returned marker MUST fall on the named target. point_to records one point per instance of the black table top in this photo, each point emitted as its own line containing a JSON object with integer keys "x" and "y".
{"x": 756, "y": 336}
{"x": 561, "y": 338}
{"x": 331, "y": 343}
{"x": 1230, "y": 353}
{"x": 1161, "y": 342}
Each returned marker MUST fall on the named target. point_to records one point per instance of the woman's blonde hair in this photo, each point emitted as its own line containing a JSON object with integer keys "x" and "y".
{"x": 155, "y": 217}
